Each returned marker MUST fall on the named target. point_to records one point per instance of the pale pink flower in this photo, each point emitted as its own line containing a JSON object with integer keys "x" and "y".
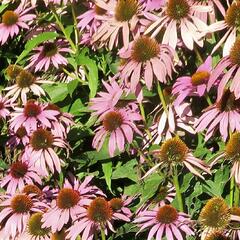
{"x": 32, "y": 116}
{"x": 118, "y": 25}
{"x": 150, "y": 5}
{"x": 178, "y": 16}
{"x": 16, "y": 210}
{"x": 48, "y": 54}
{"x": 234, "y": 231}
{"x": 42, "y": 150}
{"x": 98, "y": 214}
{"x": 175, "y": 152}
{"x": 231, "y": 23}
{"x": 224, "y": 115}
{"x": 228, "y": 70}
{"x": 69, "y": 201}
{"x": 13, "y": 21}
{"x": 165, "y": 221}
{"x": 146, "y": 58}
{"x": 4, "y": 105}
{"x": 20, "y": 173}
{"x": 119, "y": 126}
{"x": 196, "y": 85}
{"x": 20, "y": 137}
{"x": 58, "y": 2}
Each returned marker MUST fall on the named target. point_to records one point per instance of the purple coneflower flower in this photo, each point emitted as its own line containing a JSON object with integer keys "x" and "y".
{"x": 146, "y": 58}
{"x": 20, "y": 137}
{"x": 195, "y": 85}
{"x": 4, "y": 105}
{"x": 234, "y": 231}
{"x": 32, "y": 116}
{"x": 68, "y": 203}
{"x": 150, "y": 5}
{"x": 165, "y": 221}
{"x": 178, "y": 15}
{"x": 224, "y": 115}
{"x": 48, "y": 54}
{"x": 13, "y": 21}
{"x": 20, "y": 173}
{"x": 119, "y": 126}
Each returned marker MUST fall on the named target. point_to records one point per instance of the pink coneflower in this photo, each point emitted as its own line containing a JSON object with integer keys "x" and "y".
{"x": 20, "y": 173}
{"x": 69, "y": 201}
{"x": 228, "y": 69}
{"x": 119, "y": 126}
{"x": 174, "y": 151}
{"x": 58, "y": 2}
{"x": 148, "y": 59}
{"x": 4, "y": 105}
{"x": 120, "y": 209}
{"x": 13, "y": 21}
{"x": 234, "y": 231}
{"x": 150, "y": 5}
{"x": 20, "y": 137}
{"x": 32, "y": 116}
{"x": 178, "y": 15}
{"x": 223, "y": 115}
{"x": 25, "y": 83}
{"x": 47, "y": 55}
{"x": 165, "y": 221}
{"x": 120, "y": 24}
{"x": 91, "y": 219}
{"x": 196, "y": 85}
{"x": 231, "y": 23}
{"x": 42, "y": 150}
{"x": 16, "y": 212}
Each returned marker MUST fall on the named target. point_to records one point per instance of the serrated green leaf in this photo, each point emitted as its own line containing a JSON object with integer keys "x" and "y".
{"x": 56, "y": 92}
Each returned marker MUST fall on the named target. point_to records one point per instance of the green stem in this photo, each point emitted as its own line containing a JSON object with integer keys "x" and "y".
{"x": 236, "y": 196}
{"x": 178, "y": 192}
{"x": 161, "y": 96}
{"x": 103, "y": 233}
{"x": 142, "y": 111}
{"x": 64, "y": 31}
{"x": 208, "y": 100}
{"x": 231, "y": 191}
{"x": 75, "y": 23}
{"x": 198, "y": 54}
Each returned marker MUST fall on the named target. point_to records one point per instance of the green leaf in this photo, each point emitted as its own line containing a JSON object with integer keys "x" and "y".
{"x": 126, "y": 171}
{"x": 107, "y": 170}
{"x": 72, "y": 85}
{"x": 3, "y": 7}
{"x": 57, "y": 92}
{"x": 42, "y": 37}
{"x": 76, "y": 107}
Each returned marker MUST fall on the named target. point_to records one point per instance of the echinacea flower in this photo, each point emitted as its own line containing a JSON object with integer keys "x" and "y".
{"x": 234, "y": 226}
{"x": 42, "y": 150}
{"x": 97, "y": 215}
{"x": 34, "y": 229}
{"x": 175, "y": 151}
{"x": 146, "y": 58}
{"x": 177, "y": 16}
{"x": 120, "y": 23}
{"x": 195, "y": 85}
{"x": 20, "y": 173}
{"x": 228, "y": 69}
{"x": 32, "y": 116}
{"x": 150, "y": 5}
{"x": 119, "y": 126}
{"x": 164, "y": 221}
{"x": 224, "y": 115}
{"x": 18, "y": 138}
{"x": 68, "y": 203}
{"x": 16, "y": 210}
{"x": 13, "y": 21}
{"x": 4, "y": 105}
{"x": 231, "y": 153}
{"x": 48, "y": 54}
{"x": 25, "y": 83}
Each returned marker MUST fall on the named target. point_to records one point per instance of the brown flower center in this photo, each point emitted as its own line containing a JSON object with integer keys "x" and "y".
{"x": 200, "y": 77}
{"x": 228, "y": 102}
{"x": 41, "y": 139}
{"x": 232, "y": 148}
{"x": 21, "y": 132}
{"x": 217, "y": 236}
{"x": 31, "y": 109}
{"x": 52, "y": 106}
{"x": 49, "y": 49}
{"x": 178, "y": 9}
{"x": 21, "y": 203}
{"x": 215, "y": 214}
{"x": 13, "y": 70}
{"x": 125, "y": 10}
{"x": 9, "y": 18}
{"x": 67, "y": 198}
{"x": 167, "y": 214}
{"x": 32, "y": 189}
{"x": 99, "y": 11}
{"x": 99, "y": 210}
{"x": 173, "y": 150}
{"x": 232, "y": 16}
{"x": 235, "y": 52}
{"x": 116, "y": 204}
{"x": 59, "y": 235}
{"x": 18, "y": 169}
{"x": 25, "y": 79}
{"x": 112, "y": 120}
{"x": 34, "y": 226}
{"x": 144, "y": 49}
